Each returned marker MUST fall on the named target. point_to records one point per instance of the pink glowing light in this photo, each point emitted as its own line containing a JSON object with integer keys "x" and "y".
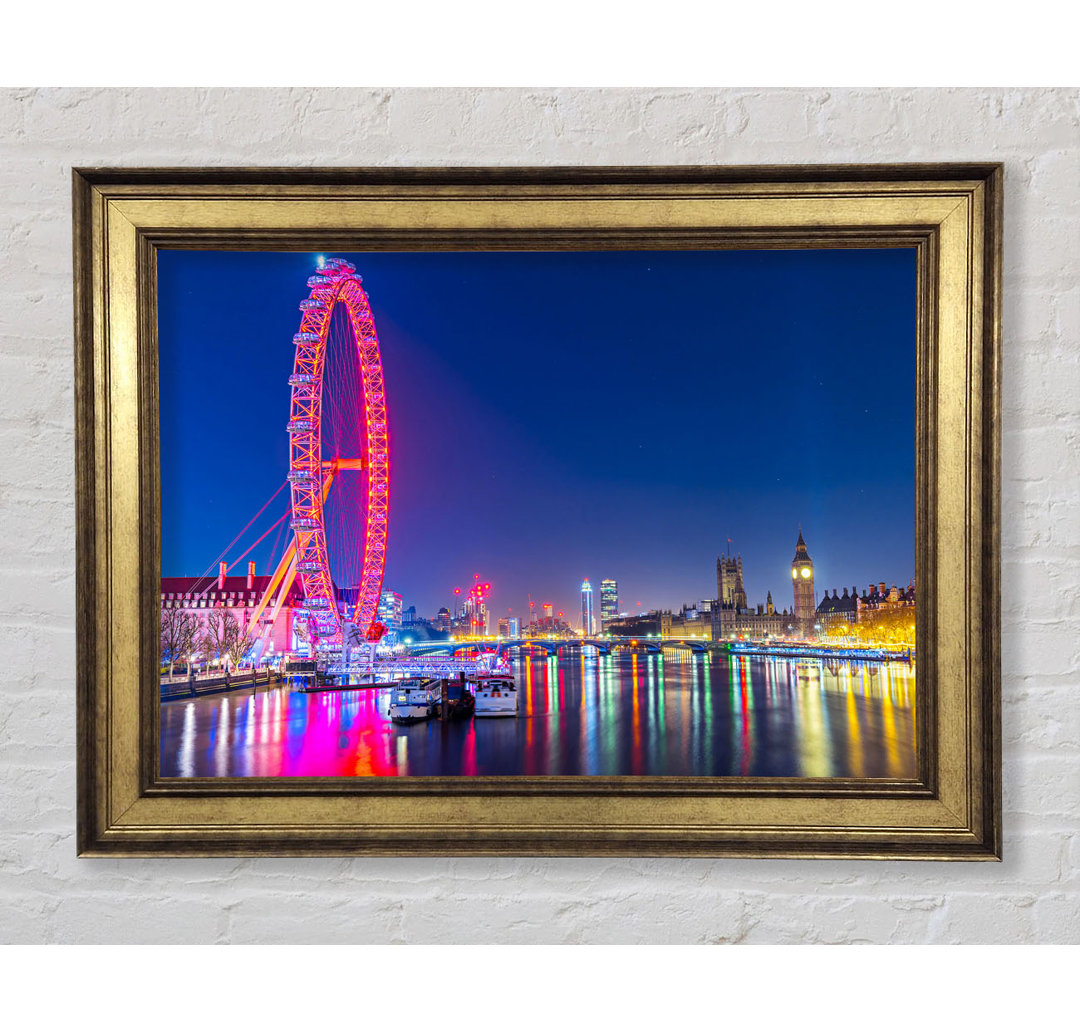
{"x": 337, "y": 284}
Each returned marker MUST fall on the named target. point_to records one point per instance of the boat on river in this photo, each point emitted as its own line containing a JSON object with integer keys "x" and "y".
{"x": 496, "y": 695}
{"x": 413, "y": 700}
{"x": 460, "y": 702}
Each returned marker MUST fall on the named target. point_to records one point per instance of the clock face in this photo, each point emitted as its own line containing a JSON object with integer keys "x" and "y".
{"x": 805, "y": 572}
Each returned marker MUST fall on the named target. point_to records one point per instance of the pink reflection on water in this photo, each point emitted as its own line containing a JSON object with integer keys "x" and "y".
{"x": 295, "y": 734}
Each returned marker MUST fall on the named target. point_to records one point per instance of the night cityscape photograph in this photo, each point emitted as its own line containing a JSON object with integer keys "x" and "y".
{"x": 575, "y": 513}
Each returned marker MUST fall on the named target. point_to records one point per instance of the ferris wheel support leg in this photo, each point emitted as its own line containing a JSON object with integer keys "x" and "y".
{"x": 286, "y": 584}
{"x": 282, "y": 577}
{"x": 287, "y": 560}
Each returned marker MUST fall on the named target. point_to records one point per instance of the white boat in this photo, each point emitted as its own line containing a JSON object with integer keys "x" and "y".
{"x": 496, "y": 695}
{"x": 413, "y": 699}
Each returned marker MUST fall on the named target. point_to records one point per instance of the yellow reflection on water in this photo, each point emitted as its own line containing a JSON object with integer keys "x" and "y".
{"x": 892, "y": 747}
{"x": 815, "y": 755}
{"x": 855, "y": 754}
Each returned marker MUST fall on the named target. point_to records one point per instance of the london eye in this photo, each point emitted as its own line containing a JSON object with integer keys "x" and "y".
{"x": 339, "y": 468}
{"x": 339, "y": 464}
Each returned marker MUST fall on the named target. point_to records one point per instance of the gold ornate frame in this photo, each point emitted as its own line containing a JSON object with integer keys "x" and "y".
{"x": 951, "y": 214}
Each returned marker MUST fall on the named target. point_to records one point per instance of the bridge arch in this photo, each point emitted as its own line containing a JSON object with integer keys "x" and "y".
{"x": 641, "y": 645}
{"x": 694, "y": 645}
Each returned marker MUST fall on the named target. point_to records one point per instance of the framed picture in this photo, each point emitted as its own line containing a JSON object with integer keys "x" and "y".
{"x": 539, "y": 511}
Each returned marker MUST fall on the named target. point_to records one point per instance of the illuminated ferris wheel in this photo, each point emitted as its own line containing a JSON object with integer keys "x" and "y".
{"x": 339, "y": 463}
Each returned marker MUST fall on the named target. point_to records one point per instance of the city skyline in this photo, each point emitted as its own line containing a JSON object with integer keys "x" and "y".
{"x": 781, "y": 602}
{"x": 729, "y": 395}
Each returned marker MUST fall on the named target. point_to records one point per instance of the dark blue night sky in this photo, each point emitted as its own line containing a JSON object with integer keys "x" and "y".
{"x": 556, "y": 416}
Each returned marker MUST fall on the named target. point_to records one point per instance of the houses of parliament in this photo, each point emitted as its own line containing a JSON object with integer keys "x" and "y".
{"x": 728, "y": 615}
{"x": 732, "y": 617}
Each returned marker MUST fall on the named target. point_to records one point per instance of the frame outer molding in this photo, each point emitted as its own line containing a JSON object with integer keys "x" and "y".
{"x": 951, "y": 213}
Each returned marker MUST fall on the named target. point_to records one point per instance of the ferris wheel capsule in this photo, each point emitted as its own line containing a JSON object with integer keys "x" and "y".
{"x": 301, "y": 379}
{"x": 305, "y": 337}
{"x": 312, "y": 303}
{"x": 299, "y": 426}
{"x": 320, "y": 281}
{"x": 340, "y": 263}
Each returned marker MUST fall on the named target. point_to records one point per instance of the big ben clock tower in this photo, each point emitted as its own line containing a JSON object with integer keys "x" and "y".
{"x": 802, "y": 579}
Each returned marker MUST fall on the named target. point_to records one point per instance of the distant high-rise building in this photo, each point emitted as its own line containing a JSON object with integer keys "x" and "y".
{"x": 515, "y": 627}
{"x": 587, "y": 624}
{"x": 461, "y": 625}
{"x": 476, "y": 613}
{"x": 475, "y": 607}
{"x": 408, "y": 615}
{"x": 503, "y": 627}
{"x": 442, "y": 619}
{"x": 609, "y": 602}
{"x": 802, "y": 579}
{"x": 549, "y": 611}
{"x": 390, "y": 613}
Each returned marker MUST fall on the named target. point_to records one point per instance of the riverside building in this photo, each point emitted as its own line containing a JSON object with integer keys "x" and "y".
{"x": 241, "y": 595}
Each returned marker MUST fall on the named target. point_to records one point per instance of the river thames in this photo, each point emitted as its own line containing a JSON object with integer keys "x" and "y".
{"x": 582, "y": 715}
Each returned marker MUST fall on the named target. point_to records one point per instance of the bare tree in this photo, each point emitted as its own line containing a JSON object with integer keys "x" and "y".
{"x": 239, "y": 645}
{"x": 218, "y": 633}
{"x": 179, "y": 630}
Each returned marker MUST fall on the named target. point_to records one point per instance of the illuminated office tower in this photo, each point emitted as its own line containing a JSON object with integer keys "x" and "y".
{"x": 515, "y": 627}
{"x": 609, "y": 602}
{"x": 442, "y": 619}
{"x": 390, "y": 614}
{"x": 587, "y": 625}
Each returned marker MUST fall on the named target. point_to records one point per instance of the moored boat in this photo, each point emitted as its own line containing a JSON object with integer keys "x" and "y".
{"x": 460, "y": 701}
{"x": 496, "y": 695}
{"x": 413, "y": 700}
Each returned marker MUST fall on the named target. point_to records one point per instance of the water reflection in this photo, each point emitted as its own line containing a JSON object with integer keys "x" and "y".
{"x": 680, "y": 714}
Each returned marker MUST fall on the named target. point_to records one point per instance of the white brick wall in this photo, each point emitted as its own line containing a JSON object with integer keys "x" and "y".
{"x": 1033, "y": 896}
